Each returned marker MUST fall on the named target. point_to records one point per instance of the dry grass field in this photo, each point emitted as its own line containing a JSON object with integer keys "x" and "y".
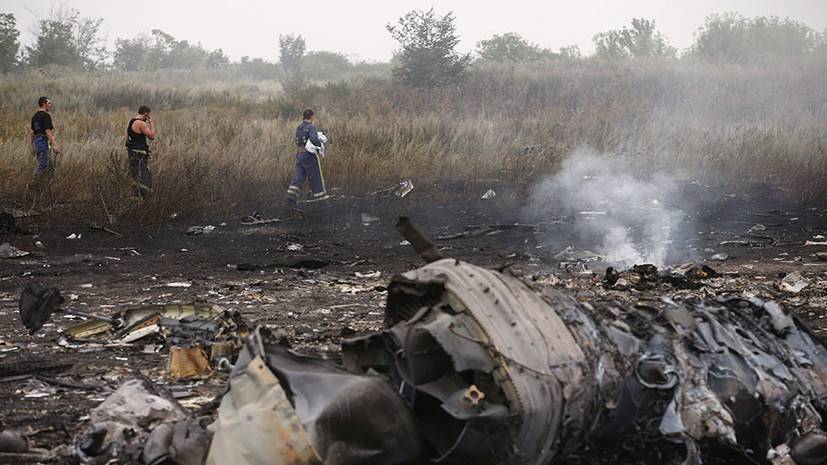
{"x": 225, "y": 139}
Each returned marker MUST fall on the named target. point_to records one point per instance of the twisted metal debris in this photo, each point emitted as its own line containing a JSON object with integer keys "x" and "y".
{"x": 492, "y": 371}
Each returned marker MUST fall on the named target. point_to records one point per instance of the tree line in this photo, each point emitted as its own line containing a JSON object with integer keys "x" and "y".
{"x": 427, "y": 54}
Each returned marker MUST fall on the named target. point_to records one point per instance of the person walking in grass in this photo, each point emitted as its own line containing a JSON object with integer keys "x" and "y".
{"x": 44, "y": 146}
{"x": 309, "y": 149}
{"x": 139, "y": 131}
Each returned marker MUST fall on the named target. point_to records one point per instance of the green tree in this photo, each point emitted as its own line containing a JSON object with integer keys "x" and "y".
{"x": 130, "y": 54}
{"x": 9, "y": 45}
{"x": 68, "y": 40}
{"x": 182, "y": 54}
{"x": 642, "y": 40}
{"x": 571, "y": 52}
{"x": 731, "y": 37}
{"x": 508, "y": 47}
{"x": 291, "y": 56}
{"x": 291, "y": 52}
{"x": 162, "y": 50}
{"x": 428, "y": 57}
{"x": 326, "y": 65}
{"x": 217, "y": 59}
{"x": 257, "y": 68}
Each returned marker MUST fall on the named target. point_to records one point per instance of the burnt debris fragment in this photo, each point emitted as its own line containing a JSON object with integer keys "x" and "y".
{"x": 475, "y": 366}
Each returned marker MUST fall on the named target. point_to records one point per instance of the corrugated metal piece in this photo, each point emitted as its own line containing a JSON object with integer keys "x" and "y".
{"x": 189, "y": 363}
{"x": 540, "y": 365}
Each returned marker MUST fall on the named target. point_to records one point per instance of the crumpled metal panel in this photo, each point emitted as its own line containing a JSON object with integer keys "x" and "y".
{"x": 285, "y": 409}
{"x": 540, "y": 365}
{"x": 257, "y": 425}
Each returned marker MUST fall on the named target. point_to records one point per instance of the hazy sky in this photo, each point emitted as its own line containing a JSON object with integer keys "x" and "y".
{"x": 357, "y": 28}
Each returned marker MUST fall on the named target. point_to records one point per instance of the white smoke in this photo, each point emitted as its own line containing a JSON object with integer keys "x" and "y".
{"x": 630, "y": 216}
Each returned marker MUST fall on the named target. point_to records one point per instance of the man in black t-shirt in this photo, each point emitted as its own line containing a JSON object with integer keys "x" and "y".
{"x": 43, "y": 138}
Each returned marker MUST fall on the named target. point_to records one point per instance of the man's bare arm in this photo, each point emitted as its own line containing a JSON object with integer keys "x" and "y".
{"x": 147, "y": 129}
{"x": 50, "y": 135}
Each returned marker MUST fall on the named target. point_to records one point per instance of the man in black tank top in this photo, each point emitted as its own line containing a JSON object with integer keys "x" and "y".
{"x": 140, "y": 128}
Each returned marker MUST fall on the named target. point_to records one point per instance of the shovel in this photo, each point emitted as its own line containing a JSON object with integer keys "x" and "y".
{"x": 38, "y": 303}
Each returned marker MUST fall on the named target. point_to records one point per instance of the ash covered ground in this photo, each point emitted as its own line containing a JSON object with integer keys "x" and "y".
{"x": 49, "y": 384}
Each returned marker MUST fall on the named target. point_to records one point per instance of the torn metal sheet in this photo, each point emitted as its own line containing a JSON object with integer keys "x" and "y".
{"x": 495, "y": 372}
{"x": 491, "y": 371}
{"x": 137, "y": 319}
{"x": 304, "y": 411}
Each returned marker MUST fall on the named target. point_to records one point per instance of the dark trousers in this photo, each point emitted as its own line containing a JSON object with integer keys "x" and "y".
{"x": 139, "y": 171}
{"x": 44, "y": 165}
{"x": 308, "y": 168}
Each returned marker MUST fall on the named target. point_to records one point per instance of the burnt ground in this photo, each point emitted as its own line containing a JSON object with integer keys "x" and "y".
{"x": 101, "y": 272}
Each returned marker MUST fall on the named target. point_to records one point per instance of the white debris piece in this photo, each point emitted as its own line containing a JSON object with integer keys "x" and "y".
{"x": 404, "y": 188}
{"x": 198, "y": 230}
{"x": 9, "y": 251}
{"x": 489, "y": 194}
{"x": 794, "y": 282}
{"x": 179, "y": 284}
{"x": 369, "y": 274}
{"x": 367, "y": 219}
{"x": 74, "y": 236}
{"x": 293, "y": 247}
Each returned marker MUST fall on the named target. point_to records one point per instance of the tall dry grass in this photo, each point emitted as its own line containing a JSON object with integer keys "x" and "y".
{"x": 225, "y": 141}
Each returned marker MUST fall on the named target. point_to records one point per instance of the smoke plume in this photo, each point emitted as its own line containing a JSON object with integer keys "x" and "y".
{"x": 628, "y": 215}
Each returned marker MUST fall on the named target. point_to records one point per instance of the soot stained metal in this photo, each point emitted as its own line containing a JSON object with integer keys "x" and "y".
{"x": 492, "y": 371}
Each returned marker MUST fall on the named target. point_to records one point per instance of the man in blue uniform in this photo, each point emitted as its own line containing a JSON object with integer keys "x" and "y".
{"x": 308, "y": 165}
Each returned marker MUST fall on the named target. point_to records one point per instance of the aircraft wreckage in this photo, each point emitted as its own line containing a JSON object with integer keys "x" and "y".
{"x": 476, "y": 367}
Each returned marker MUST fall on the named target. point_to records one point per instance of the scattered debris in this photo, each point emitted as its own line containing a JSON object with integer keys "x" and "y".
{"x": 309, "y": 263}
{"x": 9, "y": 251}
{"x": 821, "y": 256}
{"x": 794, "y": 282}
{"x": 720, "y": 257}
{"x": 97, "y": 227}
{"x": 198, "y": 230}
{"x": 368, "y": 275}
{"x": 808, "y": 243}
{"x": 486, "y": 230}
{"x": 255, "y": 219}
{"x": 400, "y": 190}
{"x": 489, "y": 194}
{"x": 367, "y": 219}
{"x": 74, "y": 236}
{"x": 179, "y": 284}
{"x": 293, "y": 247}
{"x": 122, "y": 422}
{"x": 697, "y": 375}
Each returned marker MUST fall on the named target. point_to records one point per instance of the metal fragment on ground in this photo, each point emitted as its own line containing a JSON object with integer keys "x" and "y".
{"x": 494, "y": 372}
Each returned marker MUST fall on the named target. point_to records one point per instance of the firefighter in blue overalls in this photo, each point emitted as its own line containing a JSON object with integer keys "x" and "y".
{"x": 308, "y": 165}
